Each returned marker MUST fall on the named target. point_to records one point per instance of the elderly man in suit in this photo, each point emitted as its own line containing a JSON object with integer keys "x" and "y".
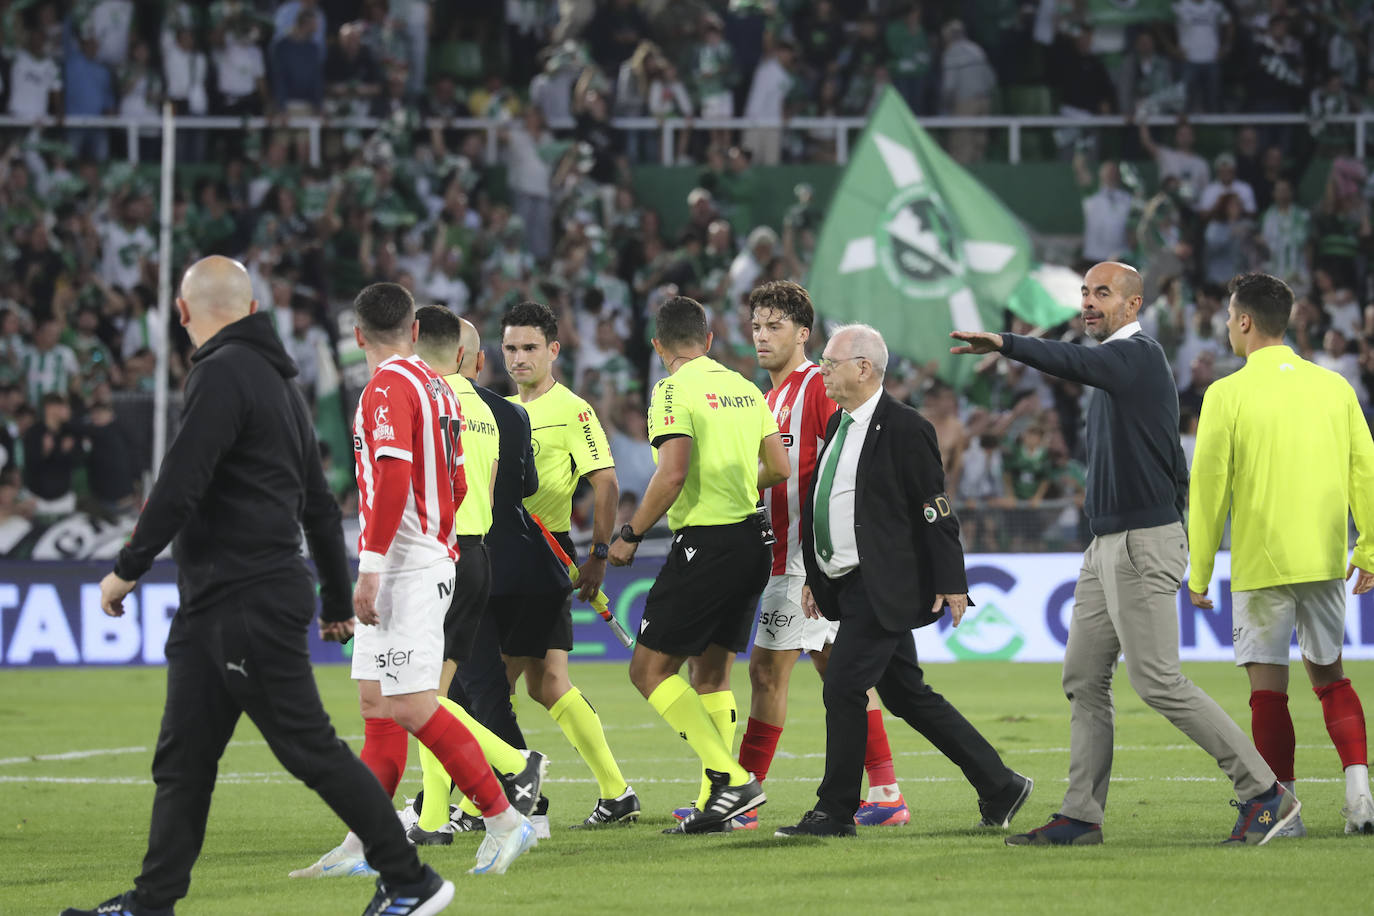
{"x": 882, "y": 553}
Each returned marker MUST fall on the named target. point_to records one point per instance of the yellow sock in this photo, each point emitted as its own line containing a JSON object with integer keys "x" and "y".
{"x": 720, "y": 706}
{"x": 499, "y": 754}
{"x": 681, "y": 707}
{"x": 468, "y": 806}
{"x": 582, "y": 726}
{"x": 437, "y": 785}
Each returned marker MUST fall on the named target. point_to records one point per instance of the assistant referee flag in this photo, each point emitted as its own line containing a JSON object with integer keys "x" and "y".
{"x": 1284, "y": 446}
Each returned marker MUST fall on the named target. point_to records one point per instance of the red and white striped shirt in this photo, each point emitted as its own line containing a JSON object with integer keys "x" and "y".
{"x": 802, "y": 409}
{"x": 408, "y": 413}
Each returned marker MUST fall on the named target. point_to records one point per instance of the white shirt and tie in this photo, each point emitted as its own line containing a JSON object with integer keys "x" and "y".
{"x": 845, "y": 558}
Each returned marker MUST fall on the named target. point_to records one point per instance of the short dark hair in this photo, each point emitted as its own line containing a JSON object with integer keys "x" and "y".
{"x": 1267, "y": 300}
{"x": 681, "y": 320}
{"x": 788, "y": 299}
{"x": 384, "y": 308}
{"x": 439, "y": 327}
{"x": 531, "y": 315}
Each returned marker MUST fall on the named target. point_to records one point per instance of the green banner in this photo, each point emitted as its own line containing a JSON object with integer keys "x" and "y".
{"x": 915, "y": 246}
{"x": 1128, "y": 12}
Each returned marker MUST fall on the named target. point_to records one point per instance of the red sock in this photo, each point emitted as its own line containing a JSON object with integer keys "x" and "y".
{"x": 1345, "y": 721}
{"x": 385, "y": 745}
{"x": 462, "y": 757}
{"x": 1272, "y": 727}
{"x": 756, "y": 749}
{"x": 877, "y": 754}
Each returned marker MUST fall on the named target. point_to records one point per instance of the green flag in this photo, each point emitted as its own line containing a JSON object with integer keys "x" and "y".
{"x": 1128, "y": 12}
{"x": 914, "y": 245}
{"x": 1047, "y": 296}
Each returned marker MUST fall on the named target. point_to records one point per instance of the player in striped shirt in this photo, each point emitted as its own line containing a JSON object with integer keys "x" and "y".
{"x": 410, "y": 483}
{"x": 782, "y": 319}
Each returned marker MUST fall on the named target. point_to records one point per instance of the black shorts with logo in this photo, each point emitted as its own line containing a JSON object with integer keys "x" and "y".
{"x": 707, "y": 590}
{"x": 471, "y": 584}
{"x": 531, "y": 625}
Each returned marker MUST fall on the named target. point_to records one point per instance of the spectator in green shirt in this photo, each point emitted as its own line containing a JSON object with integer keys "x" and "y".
{"x": 909, "y": 59}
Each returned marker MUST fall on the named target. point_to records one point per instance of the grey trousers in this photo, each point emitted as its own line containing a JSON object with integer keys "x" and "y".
{"x": 1126, "y": 603}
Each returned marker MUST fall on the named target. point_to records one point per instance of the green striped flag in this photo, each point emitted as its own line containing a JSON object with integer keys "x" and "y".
{"x": 330, "y": 424}
{"x": 915, "y": 246}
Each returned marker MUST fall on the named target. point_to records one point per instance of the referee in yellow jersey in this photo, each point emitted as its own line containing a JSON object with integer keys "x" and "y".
{"x": 710, "y": 426}
{"x": 536, "y": 630}
{"x": 1283, "y": 445}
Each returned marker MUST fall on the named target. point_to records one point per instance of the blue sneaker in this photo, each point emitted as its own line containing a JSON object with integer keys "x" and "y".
{"x": 123, "y": 905}
{"x": 1260, "y": 821}
{"x": 425, "y": 897}
{"x": 1060, "y": 831}
{"x": 499, "y": 850}
{"x": 684, "y": 812}
{"x": 883, "y": 814}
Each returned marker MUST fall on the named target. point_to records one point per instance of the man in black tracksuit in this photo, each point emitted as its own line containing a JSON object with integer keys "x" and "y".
{"x": 521, "y": 563}
{"x": 239, "y": 480}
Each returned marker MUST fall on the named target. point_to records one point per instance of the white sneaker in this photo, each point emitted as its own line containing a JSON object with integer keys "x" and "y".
{"x": 541, "y": 826}
{"x": 1293, "y": 828}
{"x": 407, "y": 815}
{"x": 498, "y": 851}
{"x": 337, "y": 863}
{"x": 1359, "y": 815}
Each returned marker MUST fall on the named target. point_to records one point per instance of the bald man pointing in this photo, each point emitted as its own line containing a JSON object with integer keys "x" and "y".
{"x": 1126, "y": 600}
{"x": 240, "y": 479}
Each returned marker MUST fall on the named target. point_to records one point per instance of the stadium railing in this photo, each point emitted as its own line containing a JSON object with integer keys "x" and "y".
{"x": 842, "y": 128}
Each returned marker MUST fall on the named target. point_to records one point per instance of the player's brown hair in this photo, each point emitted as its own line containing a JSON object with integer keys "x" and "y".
{"x": 384, "y": 309}
{"x": 789, "y": 300}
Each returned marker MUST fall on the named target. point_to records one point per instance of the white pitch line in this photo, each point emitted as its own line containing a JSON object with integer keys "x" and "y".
{"x": 73, "y": 755}
{"x": 282, "y": 779}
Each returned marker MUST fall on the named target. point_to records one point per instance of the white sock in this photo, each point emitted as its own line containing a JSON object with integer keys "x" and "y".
{"x": 888, "y": 793}
{"x": 1356, "y": 781}
{"x": 1289, "y": 787}
{"x": 352, "y": 844}
{"x": 504, "y": 822}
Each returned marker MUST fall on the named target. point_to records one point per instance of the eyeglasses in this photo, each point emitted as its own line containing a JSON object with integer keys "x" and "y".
{"x": 827, "y": 364}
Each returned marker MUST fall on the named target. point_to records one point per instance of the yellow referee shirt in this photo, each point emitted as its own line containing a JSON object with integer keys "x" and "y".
{"x": 569, "y": 443}
{"x": 728, "y": 419}
{"x": 481, "y": 446}
{"x": 1284, "y": 446}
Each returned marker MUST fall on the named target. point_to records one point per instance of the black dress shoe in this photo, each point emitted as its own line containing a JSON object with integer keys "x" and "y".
{"x": 818, "y": 823}
{"x": 999, "y": 811}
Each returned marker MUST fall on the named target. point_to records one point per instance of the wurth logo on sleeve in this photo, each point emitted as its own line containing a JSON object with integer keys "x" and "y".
{"x": 584, "y": 416}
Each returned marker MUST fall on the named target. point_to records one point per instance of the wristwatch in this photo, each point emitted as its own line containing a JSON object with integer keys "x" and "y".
{"x": 627, "y": 534}
{"x": 601, "y": 550}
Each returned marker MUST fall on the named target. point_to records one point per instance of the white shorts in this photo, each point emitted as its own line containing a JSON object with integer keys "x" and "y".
{"x": 782, "y": 623}
{"x": 718, "y": 105}
{"x": 1263, "y": 620}
{"x": 404, "y": 650}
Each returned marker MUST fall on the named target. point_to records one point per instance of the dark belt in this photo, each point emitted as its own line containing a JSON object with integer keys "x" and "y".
{"x": 469, "y": 540}
{"x": 707, "y": 529}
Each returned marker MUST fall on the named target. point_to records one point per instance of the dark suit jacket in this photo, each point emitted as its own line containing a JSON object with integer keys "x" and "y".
{"x": 907, "y": 532}
{"x": 521, "y": 561}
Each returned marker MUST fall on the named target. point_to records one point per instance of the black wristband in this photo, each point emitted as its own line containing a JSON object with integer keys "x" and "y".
{"x": 601, "y": 550}
{"x": 627, "y": 534}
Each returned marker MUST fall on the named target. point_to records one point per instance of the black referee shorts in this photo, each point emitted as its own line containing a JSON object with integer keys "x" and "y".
{"x": 707, "y": 590}
{"x": 531, "y": 625}
{"x": 471, "y": 585}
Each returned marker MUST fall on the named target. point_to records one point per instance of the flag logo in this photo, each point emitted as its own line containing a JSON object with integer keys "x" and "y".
{"x": 917, "y": 246}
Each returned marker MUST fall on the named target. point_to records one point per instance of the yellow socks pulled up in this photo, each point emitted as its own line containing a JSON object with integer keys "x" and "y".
{"x": 582, "y": 726}
{"x": 437, "y": 785}
{"x": 720, "y": 706}
{"x": 683, "y": 709}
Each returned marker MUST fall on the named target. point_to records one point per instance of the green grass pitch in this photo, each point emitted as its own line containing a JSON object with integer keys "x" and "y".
{"x": 75, "y": 795}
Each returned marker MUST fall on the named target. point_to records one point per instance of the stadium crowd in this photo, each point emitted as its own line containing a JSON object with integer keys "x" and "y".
{"x": 422, "y": 207}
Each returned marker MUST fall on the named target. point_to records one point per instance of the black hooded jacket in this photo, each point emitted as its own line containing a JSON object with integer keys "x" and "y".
{"x": 241, "y": 477}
